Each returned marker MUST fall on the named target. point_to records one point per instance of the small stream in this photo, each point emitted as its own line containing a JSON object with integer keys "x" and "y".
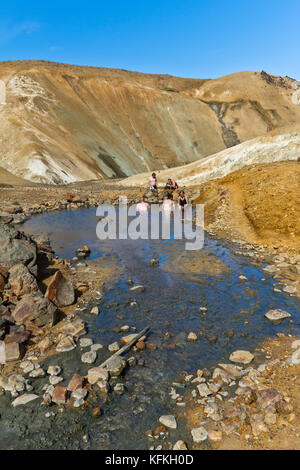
{"x": 174, "y": 291}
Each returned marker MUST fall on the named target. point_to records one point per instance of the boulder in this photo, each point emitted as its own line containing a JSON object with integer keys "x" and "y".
{"x": 16, "y": 248}
{"x": 22, "y": 282}
{"x": 60, "y": 290}
{"x": 37, "y": 309}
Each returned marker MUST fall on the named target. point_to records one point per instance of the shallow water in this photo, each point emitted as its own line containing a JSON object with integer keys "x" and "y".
{"x": 174, "y": 291}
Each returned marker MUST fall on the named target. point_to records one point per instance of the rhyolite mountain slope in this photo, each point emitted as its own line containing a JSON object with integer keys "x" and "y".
{"x": 64, "y": 123}
{"x": 268, "y": 148}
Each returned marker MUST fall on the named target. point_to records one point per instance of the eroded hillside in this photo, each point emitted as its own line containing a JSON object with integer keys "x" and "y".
{"x": 62, "y": 123}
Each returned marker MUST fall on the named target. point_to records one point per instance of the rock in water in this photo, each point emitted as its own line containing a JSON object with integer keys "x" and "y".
{"x": 24, "y": 399}
{"x": 137, "y": 289}
{"x": 276, "y": 316}
{"x": 60, "y": 291}
{"x": 89, "y": 357}
{"x": 169, "y": 421}
{"x": 243, "y": 357}
{"x": 115, "y": 366}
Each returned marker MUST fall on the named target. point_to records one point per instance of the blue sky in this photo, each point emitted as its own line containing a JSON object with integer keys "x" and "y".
{"x": 201, "y": 39}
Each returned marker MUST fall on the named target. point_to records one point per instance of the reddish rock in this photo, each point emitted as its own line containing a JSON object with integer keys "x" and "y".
{"x": 60, "y": 291}
{"x": 283, "y": 408}
{"x": 2, "y": 282}
{"x": 59, "y": 395}
{"x": 13, "y": 352}
{"x": 267, "y": 397}
{"x": 17, "y": 337}
{"x": 75, "y": 382}
{"x": 160, "y": 429}
{"x": 37, "y": 309}
{"x": 140, "y": 345}
{"x": 96, "y": 412}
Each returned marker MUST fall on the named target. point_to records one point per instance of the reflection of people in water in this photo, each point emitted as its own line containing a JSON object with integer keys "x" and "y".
{"x": 168, "y": 204}
{"x": 142, "y": 207}
{"x": 153, "y": 182}
{"x": 183, "y": 200}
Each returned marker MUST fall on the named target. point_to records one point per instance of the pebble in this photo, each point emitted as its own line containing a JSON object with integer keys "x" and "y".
{"x": 180, "y": 445}
{"x": 54, "y": 370}
{"x": 119, "y": 388}
{"x": 85, "y": 342}
{"x": 39, "y": 372}
{"x": 95, "y": 311}
{"x": 114, "y": 347}
{"x": 192, "y": 336}
{"x": 54, "y": 380}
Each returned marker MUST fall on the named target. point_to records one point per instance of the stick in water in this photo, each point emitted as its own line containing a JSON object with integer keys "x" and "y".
{"x": 127, "y": 346}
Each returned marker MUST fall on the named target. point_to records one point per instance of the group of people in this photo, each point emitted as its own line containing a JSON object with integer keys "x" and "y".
{"x": 168, "y": 203}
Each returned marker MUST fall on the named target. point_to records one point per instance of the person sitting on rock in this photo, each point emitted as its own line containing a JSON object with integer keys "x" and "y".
{"x": 168, "y": 186}
{"x": 153, "y": 182}
{"x": 142, "y": 207}
{"x": 183, "y": 200}
{"x": 174, "y": 185}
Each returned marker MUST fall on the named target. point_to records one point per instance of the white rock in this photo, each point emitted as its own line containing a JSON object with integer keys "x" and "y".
{"x": 54, "y": 370}
{"x": 89, "y": 357}
{"x": 243, "y": 357}
{"x": 296, "y": 344}
{"x": 39, "y": 372}
{"x": 85, "y": 342}
{"x": 277, "y": 315}
{"x": 24, "y": 399}
{"x": 199, "y": 434}
{"x": 203, "y": 390}
{"x": 295, "y": 358}
{"x": 192, "y": 336}
{"x": 54, "y": 379}
{"x": 137, "y": 289}
{"x": 169, "y": 421}
{"x": 95, "y": 311}
{"x": 96, "y": 347}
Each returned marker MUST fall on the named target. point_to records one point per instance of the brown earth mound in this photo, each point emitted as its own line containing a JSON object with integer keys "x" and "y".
{"x": 259, "y": 203}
